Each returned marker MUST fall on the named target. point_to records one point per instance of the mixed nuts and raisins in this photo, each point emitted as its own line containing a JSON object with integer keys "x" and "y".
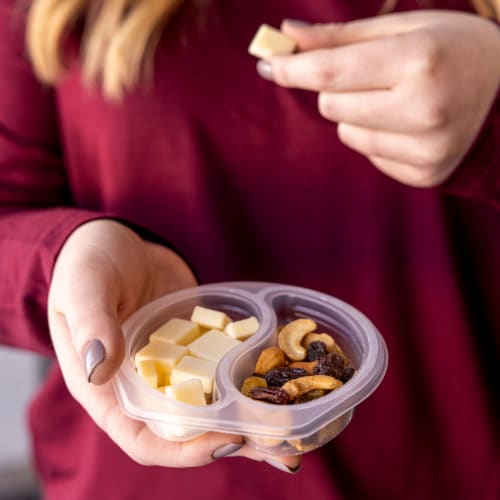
{"x": 305, "y": 366}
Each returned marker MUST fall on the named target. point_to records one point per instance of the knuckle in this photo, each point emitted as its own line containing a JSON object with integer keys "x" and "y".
{"x": 323, "y": 75}
{"x": 427, "y": 55}
{"x": 281, "y": 75}
{"x": 434, "y": 115}
{"x": 373, "y": 144}
{"x": 436, "y": 152}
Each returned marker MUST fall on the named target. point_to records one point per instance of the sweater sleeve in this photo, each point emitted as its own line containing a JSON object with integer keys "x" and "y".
{"x": 36, "y": 210}
{"x": 35, "y": 204}
{"x": 478, "y": 175}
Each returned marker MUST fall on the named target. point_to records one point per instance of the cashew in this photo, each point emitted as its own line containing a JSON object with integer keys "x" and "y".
{"x": 308, "y": 366}
{"x": 263, "y": 442}
{"x": 272, "y": 357}
{"x": 331, "y": 345}
{"x": 301, "y": 385}
{"x": 320, "y": 437}
{"x": 291, "y": 335}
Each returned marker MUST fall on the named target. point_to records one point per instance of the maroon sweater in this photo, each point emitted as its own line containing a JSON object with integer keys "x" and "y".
{"x": 249, "y": 182}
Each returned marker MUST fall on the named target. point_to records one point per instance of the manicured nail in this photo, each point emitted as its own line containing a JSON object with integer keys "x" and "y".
{"x": 296, "y": 23}
{"x": 226, "y": 450}
{"x": 265, "y": 69}
{"x": 283, "y": 467}
{"x": 93, "y": 355}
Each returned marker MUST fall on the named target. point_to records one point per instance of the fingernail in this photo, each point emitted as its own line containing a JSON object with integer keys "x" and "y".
{"x": 297, "y": 23}
{"x": 283, "y": 467}
{"x": 93, "y": 355}
{"x": 265, "y": 70}
{"x": 226, "y": 450}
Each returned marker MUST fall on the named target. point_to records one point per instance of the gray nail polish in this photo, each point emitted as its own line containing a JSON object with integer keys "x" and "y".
{"x": 93, "y": 355}
{"x": 283, "y": 467}
{"x": 265, "y": 70}
{"x": 226, "y": 449}
{"x": 296, "y": 22}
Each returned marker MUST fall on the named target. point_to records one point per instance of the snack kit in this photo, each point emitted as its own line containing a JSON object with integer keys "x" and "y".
{"x": 300, "y": 424}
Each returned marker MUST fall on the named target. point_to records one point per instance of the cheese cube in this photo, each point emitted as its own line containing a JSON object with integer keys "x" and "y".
{"x": 190, "y": 391}
{"x": 212, "y": 346}
{"x": 176, "y": 331}
{"x": 209, "y": 318}
{"x": 269, "y": 41}
{"x": 147, "y": 370}
{"x": 164, "y": 355}
{"x": 190, "y": 367}
{"x": 242, "y": 329}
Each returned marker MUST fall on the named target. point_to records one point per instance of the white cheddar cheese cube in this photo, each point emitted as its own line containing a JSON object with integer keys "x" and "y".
{"x": 212, "y": 346}
{"x": 209, "y": 318}
{"x": 147, "y": 370}
{"x": 176, "y": 331}
{"x": 269, "y": 41}
{"x": 190, "y": 391}
{"x": 190, "y": 367}
{"x": 242, "y": 329}
{"x": 164, "y": 355}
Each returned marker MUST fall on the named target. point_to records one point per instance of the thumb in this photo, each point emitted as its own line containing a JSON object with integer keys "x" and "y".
{"x": 98, "y": 339}
{"x": 86, "y": 305}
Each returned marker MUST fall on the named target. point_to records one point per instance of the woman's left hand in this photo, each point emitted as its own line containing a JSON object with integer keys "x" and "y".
{"x": 409, "y": 91}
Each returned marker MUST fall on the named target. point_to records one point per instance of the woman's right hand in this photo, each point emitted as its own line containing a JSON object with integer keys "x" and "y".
{"x": 103, "y": 274}
{"x": 410, "y": 91}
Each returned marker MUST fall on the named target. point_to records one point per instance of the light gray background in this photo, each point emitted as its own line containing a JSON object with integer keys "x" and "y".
{"x": 20, "y": 376}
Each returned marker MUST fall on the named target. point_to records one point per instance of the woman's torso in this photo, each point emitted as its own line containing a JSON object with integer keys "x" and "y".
{"x": 249, "y": 182}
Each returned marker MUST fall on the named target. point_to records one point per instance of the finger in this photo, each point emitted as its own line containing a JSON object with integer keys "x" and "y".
{"x": 409, "y": 174}
{"x": 358, "y": 67}
{"x": 402, "y": 172}
{"x": 377, "y": 109}
{"x": 289, "y": 464}
{"x": 89, "y": 305}
{"x": 406, "y": 149}
{"x": 316, "y": 36}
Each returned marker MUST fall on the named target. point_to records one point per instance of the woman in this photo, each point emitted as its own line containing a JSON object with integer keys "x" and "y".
{"x": 160, "y": 152}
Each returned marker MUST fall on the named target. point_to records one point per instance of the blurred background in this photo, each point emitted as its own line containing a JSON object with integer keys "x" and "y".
{"x": 21, "y": 373}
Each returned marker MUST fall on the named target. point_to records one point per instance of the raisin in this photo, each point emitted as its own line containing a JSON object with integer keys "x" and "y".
{"x": 347, "y": 374}
{"x": 331, "y": 364}
{"x": 316, "y": 350}
{"x": 275, "y": 395}
{"x": 251, "y": 382}
{"x": 279, "y": 376}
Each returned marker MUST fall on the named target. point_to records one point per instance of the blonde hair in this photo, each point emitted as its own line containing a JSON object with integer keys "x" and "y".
{"x": 485, "y": 8}
{"x": 118, "y": 41}
{"x": 119, "y": 37}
